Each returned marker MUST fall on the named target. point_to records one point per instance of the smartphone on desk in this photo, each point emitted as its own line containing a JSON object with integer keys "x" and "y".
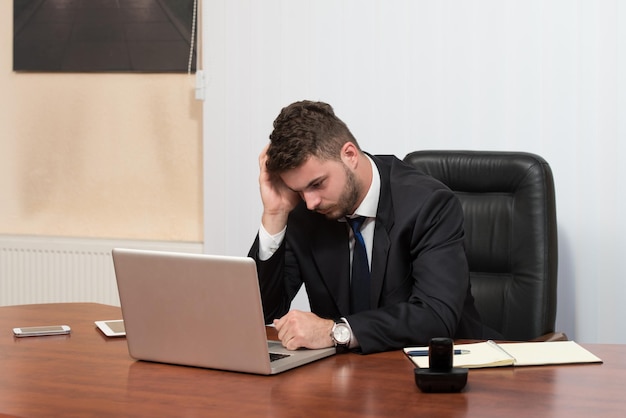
{"x": 114, "y": 328}
{"x": 41, "y": 331}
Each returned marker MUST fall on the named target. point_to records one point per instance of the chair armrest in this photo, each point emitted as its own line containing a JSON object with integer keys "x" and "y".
{"x": 552, "y": 336}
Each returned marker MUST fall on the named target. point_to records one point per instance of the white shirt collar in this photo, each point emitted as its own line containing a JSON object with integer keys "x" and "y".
{"x": 369, "y": 205}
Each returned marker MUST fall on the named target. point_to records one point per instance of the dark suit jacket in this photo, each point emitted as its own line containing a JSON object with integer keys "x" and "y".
{"x": 419, "y": 272}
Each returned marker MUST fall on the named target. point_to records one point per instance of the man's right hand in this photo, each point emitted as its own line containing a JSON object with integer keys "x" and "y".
{"x": 278, "y": 200}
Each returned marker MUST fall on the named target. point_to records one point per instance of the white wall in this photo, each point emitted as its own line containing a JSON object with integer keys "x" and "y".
{"x": 542, "y": 76}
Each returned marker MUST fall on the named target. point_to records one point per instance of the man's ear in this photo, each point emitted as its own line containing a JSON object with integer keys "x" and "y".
{"x": 350, "y": 154}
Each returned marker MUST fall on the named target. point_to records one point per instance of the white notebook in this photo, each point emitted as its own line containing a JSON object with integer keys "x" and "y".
{"x": 491, "y": 354}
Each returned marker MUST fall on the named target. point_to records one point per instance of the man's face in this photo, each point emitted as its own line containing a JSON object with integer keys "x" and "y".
{"x": 327, "y": 187}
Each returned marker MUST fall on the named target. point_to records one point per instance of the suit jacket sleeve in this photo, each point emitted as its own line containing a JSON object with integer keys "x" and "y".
{"x": 277, "y": 288}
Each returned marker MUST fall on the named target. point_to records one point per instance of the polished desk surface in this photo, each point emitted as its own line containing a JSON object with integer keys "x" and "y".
{"x": 88, "y": 374}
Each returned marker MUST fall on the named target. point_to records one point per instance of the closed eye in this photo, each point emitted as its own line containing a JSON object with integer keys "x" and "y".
{"x": 317, "y": 185}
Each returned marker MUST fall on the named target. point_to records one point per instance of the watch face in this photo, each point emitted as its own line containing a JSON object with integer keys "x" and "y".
{"x": 341, "y": 334}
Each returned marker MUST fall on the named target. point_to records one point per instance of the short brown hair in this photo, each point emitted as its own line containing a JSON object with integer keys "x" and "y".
{"x": 304, "y": 129}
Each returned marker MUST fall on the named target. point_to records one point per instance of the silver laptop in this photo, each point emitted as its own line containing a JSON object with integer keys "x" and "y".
{"x": 199, "y": 310}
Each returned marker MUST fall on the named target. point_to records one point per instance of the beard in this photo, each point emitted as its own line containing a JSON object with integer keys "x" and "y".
{"x": 348, "y": 200}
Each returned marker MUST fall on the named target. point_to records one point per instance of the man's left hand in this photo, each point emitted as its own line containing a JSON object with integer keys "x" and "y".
{"x": 298, "y": 329}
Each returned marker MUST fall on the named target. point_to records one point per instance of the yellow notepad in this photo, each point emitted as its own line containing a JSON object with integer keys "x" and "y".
{"x": 491, "y": 354}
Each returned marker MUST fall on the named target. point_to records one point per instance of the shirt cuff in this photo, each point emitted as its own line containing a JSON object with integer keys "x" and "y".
{"x": 268, "y": 244}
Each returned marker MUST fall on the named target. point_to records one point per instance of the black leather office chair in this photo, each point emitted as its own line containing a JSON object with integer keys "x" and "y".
{"x": 510, "y": 235}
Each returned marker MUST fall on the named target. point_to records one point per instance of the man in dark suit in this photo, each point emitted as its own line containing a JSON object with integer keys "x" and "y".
{"x": 414, "y": 285}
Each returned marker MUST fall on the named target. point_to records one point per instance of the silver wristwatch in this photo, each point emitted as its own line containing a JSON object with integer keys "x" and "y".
{"x": 341, "y": 336}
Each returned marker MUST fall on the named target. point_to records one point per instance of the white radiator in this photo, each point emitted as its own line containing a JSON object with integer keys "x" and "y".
{"x": 48, "y": 270}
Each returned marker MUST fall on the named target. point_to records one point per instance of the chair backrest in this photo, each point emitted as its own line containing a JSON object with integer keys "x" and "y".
{"x": 510, "y": 234}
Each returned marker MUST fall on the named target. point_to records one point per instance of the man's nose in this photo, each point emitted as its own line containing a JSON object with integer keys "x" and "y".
{"x": 311, "y": 199}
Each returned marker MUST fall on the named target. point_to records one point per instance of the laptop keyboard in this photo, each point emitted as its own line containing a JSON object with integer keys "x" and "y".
{"x": 277, "y": 356}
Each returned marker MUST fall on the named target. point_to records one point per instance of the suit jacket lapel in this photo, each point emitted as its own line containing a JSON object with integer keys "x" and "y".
{"x": 384, "y": 223}
{"x": 332, "y": 258}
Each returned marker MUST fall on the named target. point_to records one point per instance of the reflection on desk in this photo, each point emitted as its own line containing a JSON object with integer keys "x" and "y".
{"x": 87, "y": 373}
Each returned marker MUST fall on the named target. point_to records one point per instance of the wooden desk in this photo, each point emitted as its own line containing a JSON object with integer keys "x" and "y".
{"x": 88, "y": 374}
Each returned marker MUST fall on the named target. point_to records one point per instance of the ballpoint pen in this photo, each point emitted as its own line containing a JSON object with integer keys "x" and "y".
{"x": 422, "y": 353}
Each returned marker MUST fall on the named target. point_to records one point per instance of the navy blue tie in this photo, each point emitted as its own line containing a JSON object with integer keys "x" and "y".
{"x": 360, "y": 281}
